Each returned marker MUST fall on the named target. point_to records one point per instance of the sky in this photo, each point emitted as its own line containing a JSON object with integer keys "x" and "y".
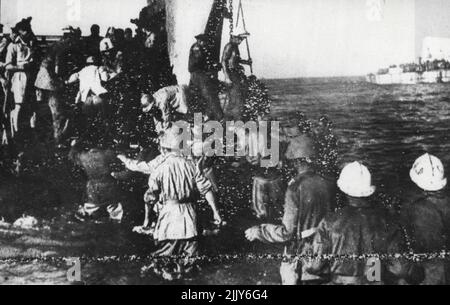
{"x": 290, "y": 38}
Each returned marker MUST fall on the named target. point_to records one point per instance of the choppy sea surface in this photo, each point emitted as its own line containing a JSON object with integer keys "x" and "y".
{"x": 387, "y": 127}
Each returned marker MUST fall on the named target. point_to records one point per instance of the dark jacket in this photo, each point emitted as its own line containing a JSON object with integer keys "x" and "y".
{"x": 361, "y": 228}
{"x": 309, "y": 198}
{"x": 426, "y": 219}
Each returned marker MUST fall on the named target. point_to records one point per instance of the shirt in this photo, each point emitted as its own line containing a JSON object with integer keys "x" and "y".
{"x": 178, "y": 179}
{"x": 90, "y": 78}
{"x": 19, "y": 54}
{"x": 309, "y": 198}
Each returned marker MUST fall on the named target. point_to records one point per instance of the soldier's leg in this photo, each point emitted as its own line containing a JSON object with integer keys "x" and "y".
{"x": 60, "y": 122}
{"x": 14, "y": 119}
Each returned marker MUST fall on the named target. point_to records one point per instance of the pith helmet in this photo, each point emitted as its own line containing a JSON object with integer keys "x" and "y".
{"x": 356, "y": 181}
{"x": 428, "y": 173}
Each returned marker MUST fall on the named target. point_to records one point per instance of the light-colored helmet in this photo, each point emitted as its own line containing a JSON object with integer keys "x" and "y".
{"x": 428, "y": 173}
{"x": 356, "y": 181}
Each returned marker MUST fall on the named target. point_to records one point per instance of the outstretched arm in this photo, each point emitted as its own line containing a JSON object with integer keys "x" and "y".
{"x": 285, "y": 232}
{"x": 73, "y": 78}
{"x": 137, "y": 166}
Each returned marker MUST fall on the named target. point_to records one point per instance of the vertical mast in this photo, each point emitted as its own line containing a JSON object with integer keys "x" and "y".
{"x": 185, "y": 20}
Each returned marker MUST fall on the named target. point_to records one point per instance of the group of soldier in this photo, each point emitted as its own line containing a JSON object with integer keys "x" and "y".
{"x": 332, "y": 241}
{"x": 121, "y": 76}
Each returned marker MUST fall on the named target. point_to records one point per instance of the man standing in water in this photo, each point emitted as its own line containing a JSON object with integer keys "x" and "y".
{"x": 347, "y": 238}
{"x": 309, "y": 198}
{"x": 427, "y": 217}
{"x": 204, "y": 78}
{"x": 168, "y": 105}
{"x": 176, "y": 183}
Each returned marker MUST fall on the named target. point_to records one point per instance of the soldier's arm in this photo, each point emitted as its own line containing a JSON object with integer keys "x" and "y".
{"x": 398, "y": 267}
{"x": 11, "y": 59}
{"x": 205, "y": 188}
{"x": 227, "y": 53}
{"x": 285, "y": 232}
{"x": 165, "y": 107}
{"x": 143, "y": 167}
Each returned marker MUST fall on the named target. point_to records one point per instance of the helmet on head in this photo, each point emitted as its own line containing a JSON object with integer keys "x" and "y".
{"x": 428, "y": 173}
{"x": 356, "y": 181}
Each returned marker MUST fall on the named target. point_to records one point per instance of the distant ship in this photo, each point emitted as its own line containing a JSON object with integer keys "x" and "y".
{"x": 435, "y": 69}
{"x": 397, "y": 75}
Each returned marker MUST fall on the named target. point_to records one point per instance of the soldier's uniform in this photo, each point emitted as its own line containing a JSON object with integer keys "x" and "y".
{"x": 345, "y": 239}
{"x": 204, "y": 79}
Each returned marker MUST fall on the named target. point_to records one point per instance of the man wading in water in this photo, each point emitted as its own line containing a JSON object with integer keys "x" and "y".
{"x": 176, "y": 184}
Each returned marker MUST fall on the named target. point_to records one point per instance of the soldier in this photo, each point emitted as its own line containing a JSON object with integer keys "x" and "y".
{"x": 309, "y": 198}
{"x": 427, "y": 216}
{"x": 235, "y": 76}
{"x": 92, "y": 97}
{"x": 204, "y": 78}
{"x": 346, "y": 238}
{"x": 20, "y": 62}
{"x": 49, "y": 86}
{"x": 176, "y": 184}
{"x": 171, "y": 102}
